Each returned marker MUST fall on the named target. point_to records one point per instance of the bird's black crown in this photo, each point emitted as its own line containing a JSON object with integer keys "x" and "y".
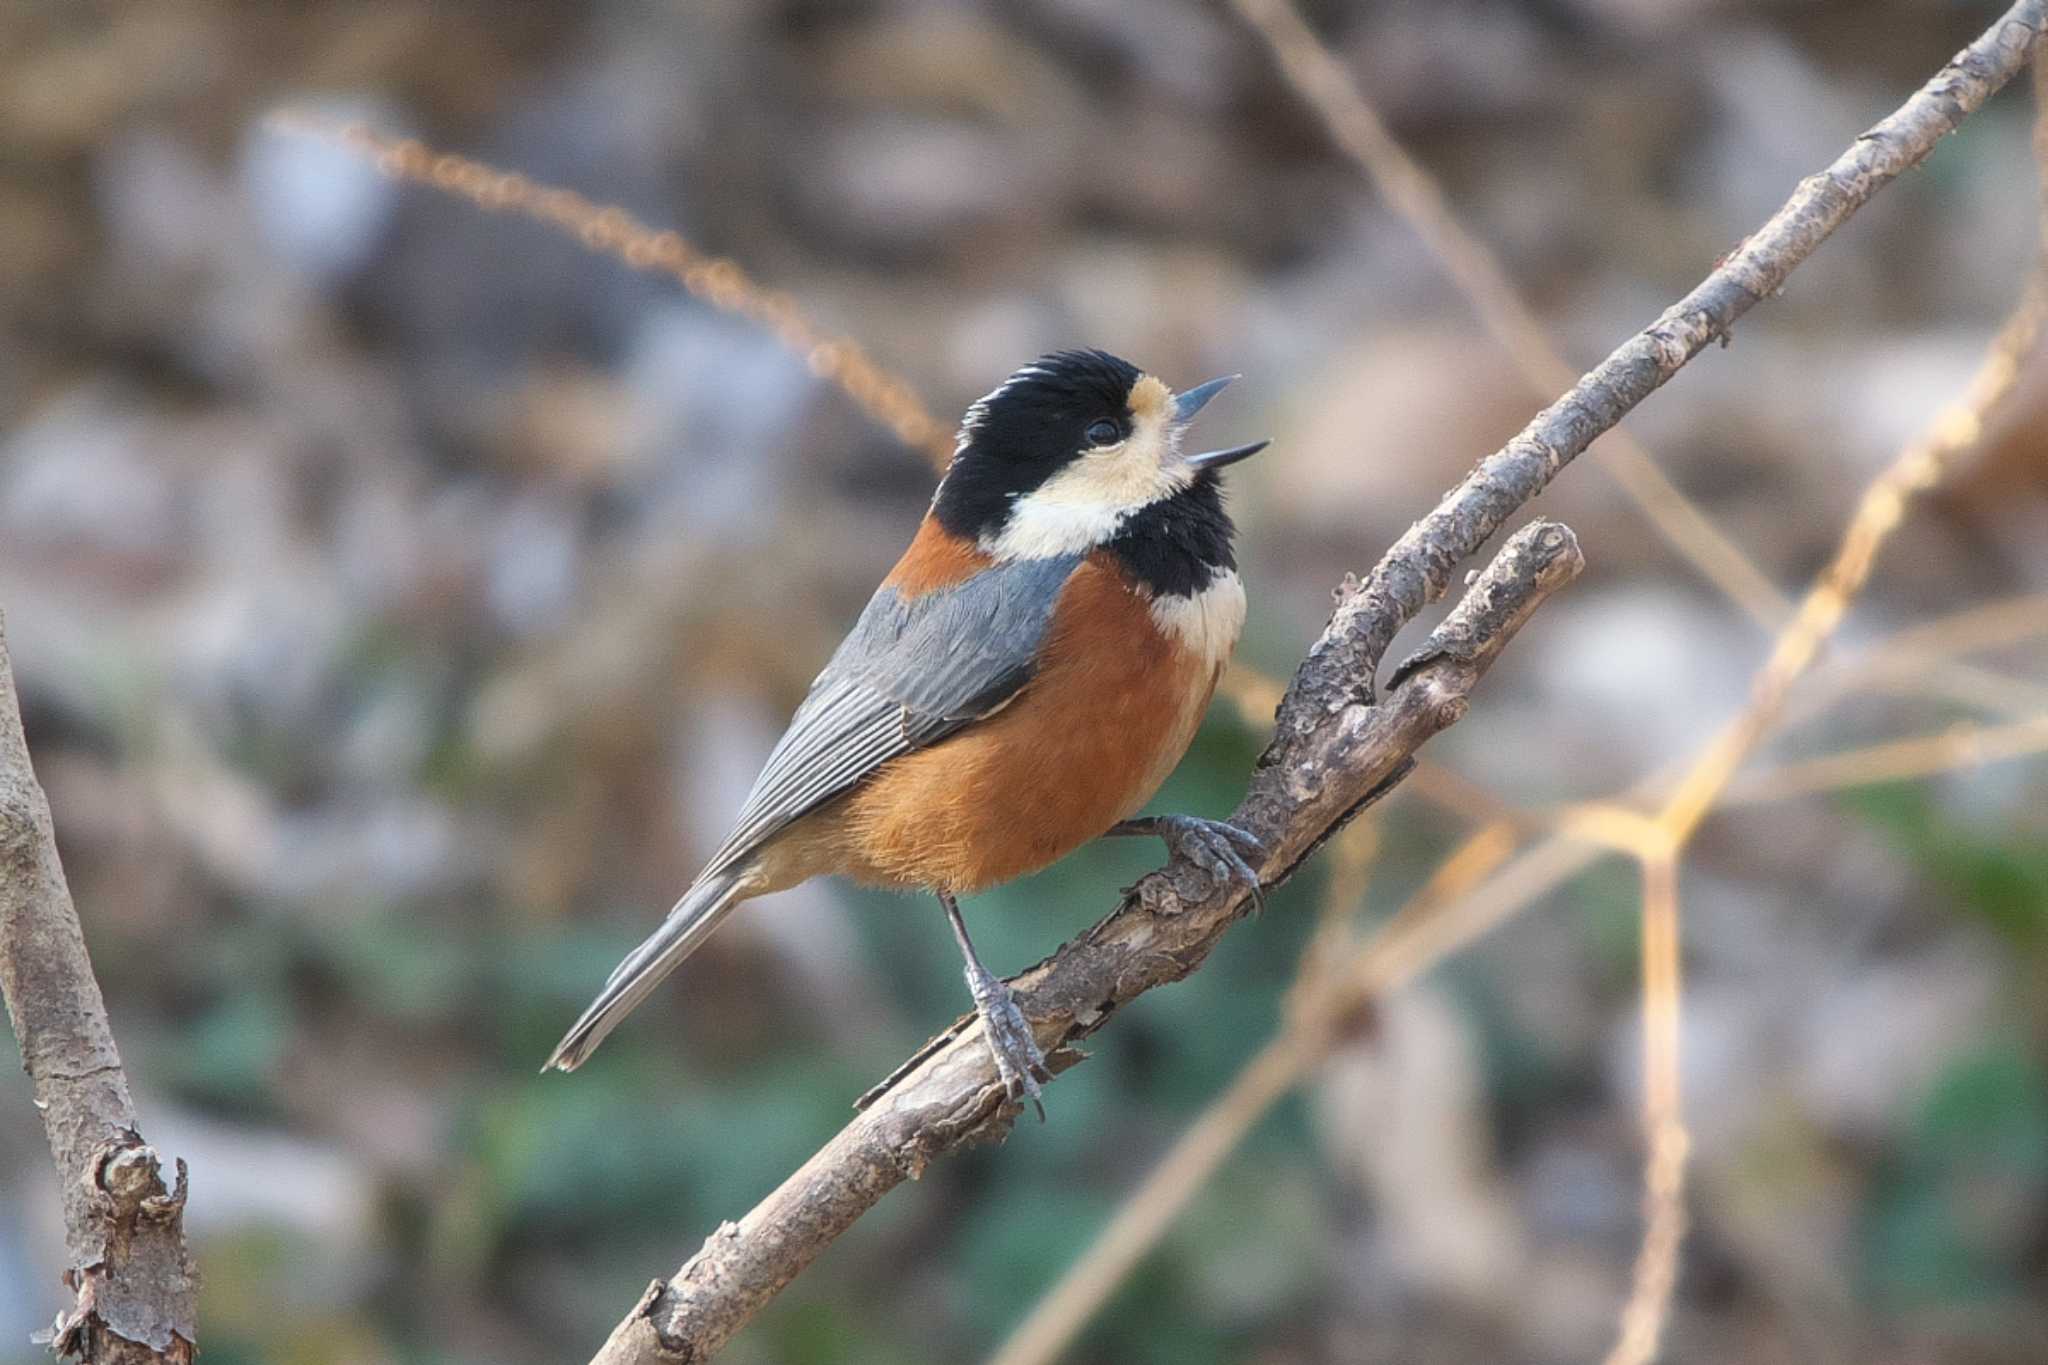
{"x": 1019, "y": 435}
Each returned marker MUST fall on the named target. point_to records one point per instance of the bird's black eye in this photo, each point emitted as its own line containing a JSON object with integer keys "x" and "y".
{"x": 1103, "y": 432}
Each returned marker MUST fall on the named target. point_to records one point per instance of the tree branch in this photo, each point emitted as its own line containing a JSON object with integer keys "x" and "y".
{"x": 124, "y": 1230}
{"x": 1335, "y": 745}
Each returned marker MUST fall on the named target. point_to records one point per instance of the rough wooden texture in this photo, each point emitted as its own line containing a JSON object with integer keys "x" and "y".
{"x": 1335, "y": 744}
{"x": 124, "y": 1230}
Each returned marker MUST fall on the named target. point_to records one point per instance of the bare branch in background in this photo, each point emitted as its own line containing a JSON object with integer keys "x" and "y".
{"x": 1898, "y": 760}
{"x": 1409, "y": 189}
{"x": 1664, "y": 1220}
{"x": 124, "y": 1229}
{"x": 1658, "y": 844}
{"x": 1920, "y": 467}
{"x": 717, "y": 280}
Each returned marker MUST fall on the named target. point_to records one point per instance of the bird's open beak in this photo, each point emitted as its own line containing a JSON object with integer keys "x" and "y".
{"x": 1216, "y": 459}
{"x": 1186, "y": 405}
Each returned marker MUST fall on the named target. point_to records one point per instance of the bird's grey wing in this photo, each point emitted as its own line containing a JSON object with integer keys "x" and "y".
{"x": 911, "y": 672}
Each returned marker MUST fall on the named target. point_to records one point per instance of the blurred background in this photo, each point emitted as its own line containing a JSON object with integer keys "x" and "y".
{"x": 402, "y": 598}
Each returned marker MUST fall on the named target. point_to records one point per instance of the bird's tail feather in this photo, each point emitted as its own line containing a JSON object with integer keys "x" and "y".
{"x": 700, "y": 910}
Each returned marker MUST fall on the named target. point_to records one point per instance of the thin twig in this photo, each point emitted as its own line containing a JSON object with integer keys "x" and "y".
{"x": 718, "y": 280}
{"x": 1990, "y": 625}
{"x": 1878, "y": 513}
{"x": 1656, "y": 1272}
{"x": 1967, "y": 685}
{"x": 124, "y": 1230}
{"x": 1356, "y": 127}
{"x": 1899, "y": 760}
{"x": 1927, "y": 656}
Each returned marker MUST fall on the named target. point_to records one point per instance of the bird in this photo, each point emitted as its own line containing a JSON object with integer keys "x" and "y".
{"x": 1022, "y": 682}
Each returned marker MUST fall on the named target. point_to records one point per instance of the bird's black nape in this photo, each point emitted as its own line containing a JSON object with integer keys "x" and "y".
{"x": 1022, "y": 432}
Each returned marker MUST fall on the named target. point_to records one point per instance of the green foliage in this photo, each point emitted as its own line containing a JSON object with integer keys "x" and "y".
{"x": 228, "y": 1054}
{"x": 2000, "y": 877}
{"x": 1605, "y": 903}
{"x": 813, "y": 1330}
{"x": 1955, "y": 1210}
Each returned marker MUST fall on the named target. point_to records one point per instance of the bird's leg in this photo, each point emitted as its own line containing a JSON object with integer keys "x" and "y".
{"x": 1218, "y": 847}
{"x": 1018, "y": 1060}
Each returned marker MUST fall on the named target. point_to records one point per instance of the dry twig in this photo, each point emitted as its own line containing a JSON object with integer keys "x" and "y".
{"x": 124, "y": 1230}
{"x": 719, "y": 281}
{"x": 1897, "y": 760}
{"x": 1642, "y": 1321}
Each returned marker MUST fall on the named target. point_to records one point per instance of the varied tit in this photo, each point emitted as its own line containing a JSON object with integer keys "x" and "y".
{"x": 1022, "y": 682}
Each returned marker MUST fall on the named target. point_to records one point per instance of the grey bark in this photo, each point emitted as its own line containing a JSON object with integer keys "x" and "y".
{"x": 134, "y": 1286}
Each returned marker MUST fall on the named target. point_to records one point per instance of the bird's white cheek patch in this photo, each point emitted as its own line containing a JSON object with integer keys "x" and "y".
{"x": 1082, "y": 506}
{"x": 1041, "y": 527}
{"x": 1206, "y": 623}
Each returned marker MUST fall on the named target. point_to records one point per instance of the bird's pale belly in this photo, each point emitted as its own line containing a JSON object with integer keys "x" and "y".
{"x": 1086, "y": 743}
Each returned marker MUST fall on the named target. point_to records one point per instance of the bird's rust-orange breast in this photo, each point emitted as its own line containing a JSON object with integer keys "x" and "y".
{"x": 1111, "y": 710}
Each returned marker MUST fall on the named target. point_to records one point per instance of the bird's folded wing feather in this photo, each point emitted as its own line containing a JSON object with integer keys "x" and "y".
{"x": 911, "y": 672}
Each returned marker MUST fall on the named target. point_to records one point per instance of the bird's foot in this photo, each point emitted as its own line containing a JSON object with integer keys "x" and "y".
{"x": 1018, "y": 1061}
{"x": 1217, "y": 847}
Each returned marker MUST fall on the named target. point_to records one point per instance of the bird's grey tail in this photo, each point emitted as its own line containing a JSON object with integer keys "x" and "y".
{"x": 687, "y": 926}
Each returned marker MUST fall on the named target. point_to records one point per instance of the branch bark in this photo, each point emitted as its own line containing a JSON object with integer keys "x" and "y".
{"x": 1336, "y": 744}
{"x": 124, "y": 1229}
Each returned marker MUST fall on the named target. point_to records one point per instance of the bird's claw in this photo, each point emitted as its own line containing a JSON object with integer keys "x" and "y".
{"x": 1219, "y": 848}
{"x": 1019, "y": 1063}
